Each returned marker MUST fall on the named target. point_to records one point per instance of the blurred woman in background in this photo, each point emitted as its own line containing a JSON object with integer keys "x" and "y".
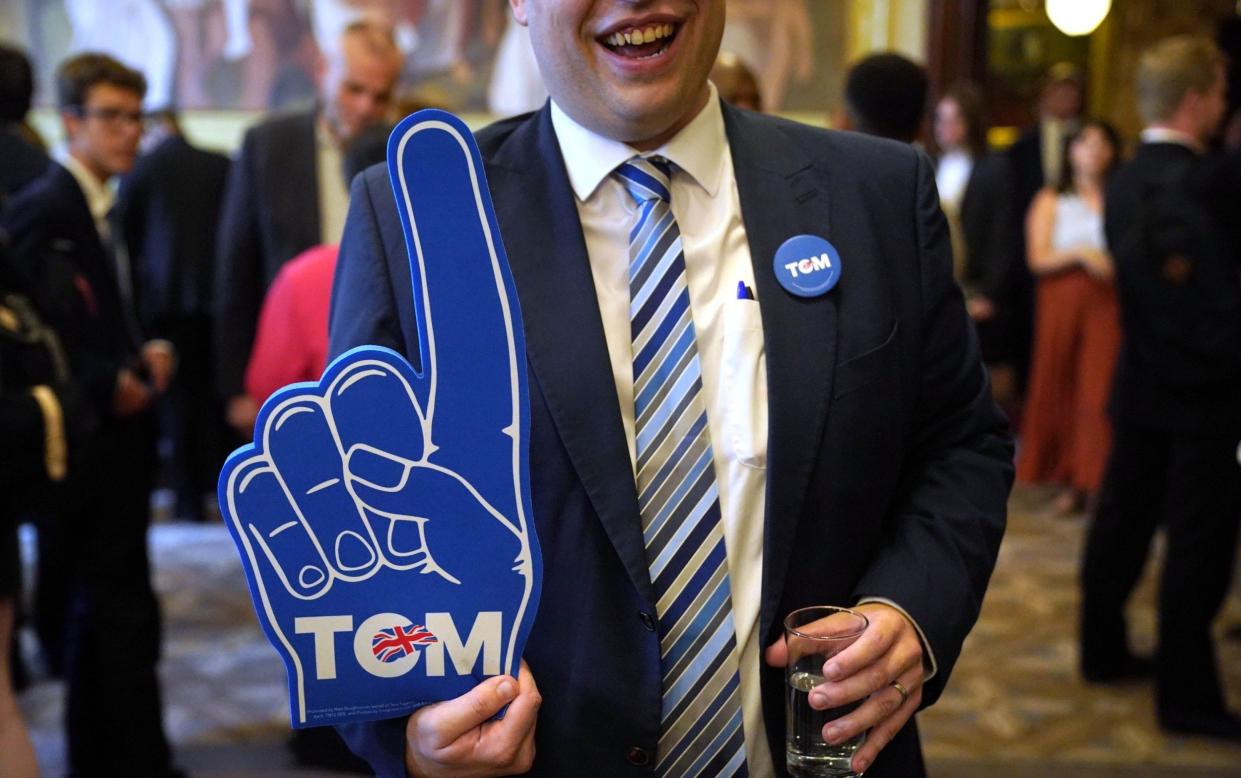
{"x": 973, "y": 186}
{"x": 1065, "y": 435}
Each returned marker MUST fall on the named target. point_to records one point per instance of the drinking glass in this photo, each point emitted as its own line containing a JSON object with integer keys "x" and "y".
{"x": 815, "y": 635}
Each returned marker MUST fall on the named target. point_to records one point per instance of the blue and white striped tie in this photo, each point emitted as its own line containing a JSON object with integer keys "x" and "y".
{"x": 700, "y": 732}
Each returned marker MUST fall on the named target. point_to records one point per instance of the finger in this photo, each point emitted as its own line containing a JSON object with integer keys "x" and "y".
{"x": 269, "y": 531}
{"x": 899, "y": 658}
{"x": 465, "y": 301}
{"x": 371, "y": 402}
{"x": 777, "y": 654}
{"x": 873, "y": 643}
{"x": 882, "y": 732}
{"x": 881, "y": 704}
{"x": 438, "y": 727}
{"x": 466, "y": 533}
{"x": 505, "y": 739}
{"x": 297, "y": 436}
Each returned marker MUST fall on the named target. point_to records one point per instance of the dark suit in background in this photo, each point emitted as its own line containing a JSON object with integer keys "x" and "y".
{"x": 23, "y": 162}
{"x": 271, "y": 214}
{"x": 1025, "y": 169}
{"x": 170, "y": 208}
{"x": 112, "y": 715}
{"x": 1177, "y": 422}
{"x": 888, "y": 469}
{"x": 987, "y": 224}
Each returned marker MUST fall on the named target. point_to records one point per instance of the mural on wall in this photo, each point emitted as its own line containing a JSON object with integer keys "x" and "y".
{"x": 467, "y": 55}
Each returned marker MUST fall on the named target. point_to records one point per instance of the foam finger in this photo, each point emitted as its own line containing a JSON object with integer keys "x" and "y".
{"x": 271, "y": 534}
{"x": 298, "y": 437}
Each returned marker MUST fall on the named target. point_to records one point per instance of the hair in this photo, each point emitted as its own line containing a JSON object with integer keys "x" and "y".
{"x": 885, "y": 95}
{"x": 1171, "y": 69}
{"x": 1063, "y": 73}
{"x": 16, "y": 85}
{"x": 969, "y": 99}
{"x": 1066, "y": 184}
{"x": 79, "y": 74}
{"x": 378, "y": 38}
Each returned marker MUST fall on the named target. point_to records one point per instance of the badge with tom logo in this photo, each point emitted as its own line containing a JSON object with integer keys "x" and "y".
{"x": 807, "y": 266}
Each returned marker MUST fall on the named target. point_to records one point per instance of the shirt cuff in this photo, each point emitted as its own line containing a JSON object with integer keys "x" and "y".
{"x": 55, "y": 449}
{"x": 929, "y": 666}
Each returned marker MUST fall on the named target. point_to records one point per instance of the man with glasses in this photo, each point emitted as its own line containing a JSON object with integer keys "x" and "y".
{"x": 64, "y": 237}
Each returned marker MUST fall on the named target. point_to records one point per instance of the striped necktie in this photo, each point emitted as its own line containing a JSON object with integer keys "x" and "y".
{"x": 700, "y": 731}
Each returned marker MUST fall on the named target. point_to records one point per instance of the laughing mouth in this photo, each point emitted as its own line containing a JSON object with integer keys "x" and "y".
{"x": 643, "y": 42}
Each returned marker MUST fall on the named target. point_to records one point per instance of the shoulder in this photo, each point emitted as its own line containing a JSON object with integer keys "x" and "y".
{"x": 280, "y": 128}
{"x": 850, "y": 159}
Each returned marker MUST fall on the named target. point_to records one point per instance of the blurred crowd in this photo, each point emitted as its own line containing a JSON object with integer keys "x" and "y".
{"x": 153, "y": 294}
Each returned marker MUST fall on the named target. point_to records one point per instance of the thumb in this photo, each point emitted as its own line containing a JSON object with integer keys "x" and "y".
{"x": 439, "y": 726}
{"x": 777, "y": 654}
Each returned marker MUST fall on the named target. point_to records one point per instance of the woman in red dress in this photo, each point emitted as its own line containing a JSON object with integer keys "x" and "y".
{"x": 1065, "y": 434}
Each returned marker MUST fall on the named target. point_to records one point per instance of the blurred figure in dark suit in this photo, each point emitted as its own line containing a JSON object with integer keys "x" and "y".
{"x": 1177, "y": 417}
{"x": 736, "y": 82}
{"x": 1036, "y": 160}
{"x": 285, "y": 195}
{"x": 973, "y": 185}
{"x": 885, "y": 95}
{"x": 170, "y": 208}
{"x": 24, "y": 158}
{"x": 64, "y": 232}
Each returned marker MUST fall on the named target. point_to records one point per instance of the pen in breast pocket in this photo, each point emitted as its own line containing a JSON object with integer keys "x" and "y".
{"x": 744, "y": 292}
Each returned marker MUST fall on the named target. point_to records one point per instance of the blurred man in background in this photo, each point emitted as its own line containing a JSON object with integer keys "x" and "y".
{"x": 885, "y": 95}
{"x": 1176, "y": 415}
{"x": 22, "y": 152}
{"x": 66, "y": 236}
{"x": 170, "y": 209}
{"x": 285, "y": 195}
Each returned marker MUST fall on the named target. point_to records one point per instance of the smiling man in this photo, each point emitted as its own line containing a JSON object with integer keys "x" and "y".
{"x": 715, "y": 441}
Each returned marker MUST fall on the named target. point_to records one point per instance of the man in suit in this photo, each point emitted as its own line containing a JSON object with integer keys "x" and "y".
{"x": 63, "y": 231}
{"x": 1176, "y": 415}
{"x": 170, "y": 208}
{"x": 885, "y": 96}
{"x": 881, "y": 484}
{"x": 285, "y": 195}
{"x": 24, "y": 161}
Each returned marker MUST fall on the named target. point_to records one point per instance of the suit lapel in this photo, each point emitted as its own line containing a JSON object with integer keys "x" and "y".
{"x": 783, "y": 195}
{"x": 565, "y": 344}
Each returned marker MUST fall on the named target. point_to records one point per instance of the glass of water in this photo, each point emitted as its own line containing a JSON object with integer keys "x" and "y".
{"x": 815, "y": 635}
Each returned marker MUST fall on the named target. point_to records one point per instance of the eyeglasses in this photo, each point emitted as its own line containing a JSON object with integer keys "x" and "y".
{"x": 111, "y": 117}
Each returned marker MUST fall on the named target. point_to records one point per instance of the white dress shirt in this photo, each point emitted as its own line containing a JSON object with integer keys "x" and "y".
{"x": 333, "y": 189}
{"x": 729, "y": 338}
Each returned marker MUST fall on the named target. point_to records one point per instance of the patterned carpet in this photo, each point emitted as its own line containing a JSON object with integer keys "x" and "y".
{"x": 1014, "y": 707}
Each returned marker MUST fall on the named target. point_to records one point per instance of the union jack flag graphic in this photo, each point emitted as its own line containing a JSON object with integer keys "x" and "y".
{"x": 393, "y": 643}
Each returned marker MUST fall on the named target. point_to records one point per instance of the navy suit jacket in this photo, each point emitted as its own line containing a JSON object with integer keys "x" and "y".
{"x": 888, "y": 469}
{"x": 74, "y": 279}
{"x": 270, "y": 215}
{"x": 170, "y": 207}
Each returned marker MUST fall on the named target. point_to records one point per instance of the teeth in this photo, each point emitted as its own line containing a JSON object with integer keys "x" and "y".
{"x": 648, "y": 34}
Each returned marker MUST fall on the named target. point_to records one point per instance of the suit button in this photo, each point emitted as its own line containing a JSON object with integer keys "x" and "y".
{"x": 638, "y": 756}
{"x": 647, "y": 620}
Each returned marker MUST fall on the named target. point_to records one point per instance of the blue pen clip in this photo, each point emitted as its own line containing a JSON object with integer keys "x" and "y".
{"x": 744, "y": 292}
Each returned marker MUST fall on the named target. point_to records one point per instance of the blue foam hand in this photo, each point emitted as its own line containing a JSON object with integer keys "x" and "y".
{"x": 383, "y": 514}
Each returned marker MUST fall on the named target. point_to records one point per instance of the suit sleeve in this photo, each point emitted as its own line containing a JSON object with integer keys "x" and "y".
{"x": 239, "y": 283}
{"x": 950, "y": 510}
{"x": 363, "y": 311}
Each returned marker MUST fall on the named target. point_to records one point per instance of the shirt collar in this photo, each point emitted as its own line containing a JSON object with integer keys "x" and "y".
{"x": 1169, "y": 135}
{"x": 100, "y": 197}
{"x": 698, "y": 149}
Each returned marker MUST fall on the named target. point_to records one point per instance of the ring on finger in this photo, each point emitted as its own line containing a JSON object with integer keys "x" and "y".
{"x": 902, "y": 690}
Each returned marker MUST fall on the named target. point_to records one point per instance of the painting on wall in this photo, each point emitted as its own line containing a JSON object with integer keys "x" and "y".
{"x": 464, "y": 55}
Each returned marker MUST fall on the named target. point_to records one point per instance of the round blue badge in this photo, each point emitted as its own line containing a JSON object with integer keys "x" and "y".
{"x": 807, "y": 265}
